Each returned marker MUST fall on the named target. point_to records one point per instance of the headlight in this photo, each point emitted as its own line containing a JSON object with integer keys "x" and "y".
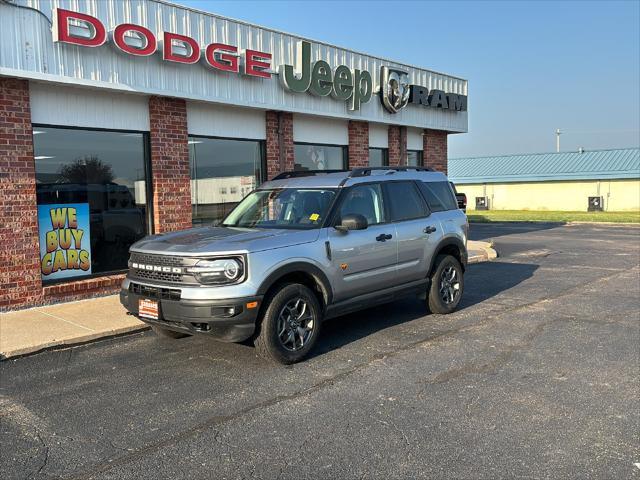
{"x": 219, "y": 271}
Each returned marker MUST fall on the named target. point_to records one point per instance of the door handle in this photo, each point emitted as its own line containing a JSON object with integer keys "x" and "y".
{"x": 383, "y": 237}
{"x": 429, "y": 229}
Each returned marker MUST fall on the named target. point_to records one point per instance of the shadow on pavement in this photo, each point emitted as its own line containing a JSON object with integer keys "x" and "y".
{"x": 482, "y": 282}
{"x": 484, "y": 231}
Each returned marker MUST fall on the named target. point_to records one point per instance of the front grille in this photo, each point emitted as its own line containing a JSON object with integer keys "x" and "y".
{"x": 160, "y": 268}
{"x": 160, "y": 260}
{"x": 162, "y": 276}
{"x": 154, "y": 292}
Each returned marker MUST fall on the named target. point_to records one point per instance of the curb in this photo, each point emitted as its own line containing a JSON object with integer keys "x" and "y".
{"x": 69, "y": 343}
{"x": 483, "y": 253}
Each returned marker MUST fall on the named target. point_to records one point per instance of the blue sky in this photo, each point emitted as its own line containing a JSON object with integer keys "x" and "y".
{"x": 532, "y": 66}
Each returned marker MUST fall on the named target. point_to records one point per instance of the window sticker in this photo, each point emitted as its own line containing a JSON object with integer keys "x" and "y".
{"x": 314, "y": 216}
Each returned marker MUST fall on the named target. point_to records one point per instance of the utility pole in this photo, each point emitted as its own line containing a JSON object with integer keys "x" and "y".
{"x": 558, "y": 133}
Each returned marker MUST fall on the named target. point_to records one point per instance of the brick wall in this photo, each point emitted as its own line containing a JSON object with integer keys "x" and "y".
{"x": 435, "y": 149}
{"x": 397, "y": 145}
{"x": 358, "y": 144}
{"x": 170, "y": 174}
{"x": 279, "y": 143}
{"x": 20, "y": 282}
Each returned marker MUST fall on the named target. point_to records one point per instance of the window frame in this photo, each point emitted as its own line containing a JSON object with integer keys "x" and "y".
{"x": 385, "y": 155}
{"x": 420, "y": 156}
{"x": 416, "y": 188}
{"x": 146, "y": 152}
{"x": 345, "y": 154}
{"x": 263, "y": 160}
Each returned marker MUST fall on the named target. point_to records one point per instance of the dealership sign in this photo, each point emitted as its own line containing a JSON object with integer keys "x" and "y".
{"x": 355, "y": 87}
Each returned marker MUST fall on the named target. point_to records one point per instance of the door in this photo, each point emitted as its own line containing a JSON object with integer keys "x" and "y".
{"x": 363, "y": 261}
{"x": 418, "y": 232}
{"x": 444, "y": 206}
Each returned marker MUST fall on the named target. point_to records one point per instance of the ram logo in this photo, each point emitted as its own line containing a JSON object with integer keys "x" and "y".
{"x": 394, "y": 89}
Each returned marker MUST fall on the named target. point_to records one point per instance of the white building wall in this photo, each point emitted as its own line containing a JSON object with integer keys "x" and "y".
{"x": 414, "y": 139}
{"x": 223, "y": 121}
{"x": 310, "y": 129}
{"x": 378, "y": 135}
{"x": 82, "y": 107}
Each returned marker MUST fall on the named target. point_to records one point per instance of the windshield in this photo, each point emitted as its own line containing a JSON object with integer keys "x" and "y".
{"x": 282, "y": 208}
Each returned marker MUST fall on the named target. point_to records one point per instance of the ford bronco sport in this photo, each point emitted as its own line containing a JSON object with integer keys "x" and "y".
{"x": 302, "y": 248}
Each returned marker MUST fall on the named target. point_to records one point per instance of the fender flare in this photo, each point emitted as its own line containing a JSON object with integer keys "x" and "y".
{"x": 445, "y": 242}
{"x": 308, "y": 268}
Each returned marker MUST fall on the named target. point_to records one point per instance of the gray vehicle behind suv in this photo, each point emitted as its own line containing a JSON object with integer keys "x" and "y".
{"x": 302, "y": 248}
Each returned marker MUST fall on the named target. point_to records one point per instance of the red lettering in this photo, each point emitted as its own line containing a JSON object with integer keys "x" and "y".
{"x": 119, "y": 39}
{"x": 171, "y": 56}
{"x": 62, "y": 33}
{"x": 228, "y": 63}
{"x": 254, "y": 64}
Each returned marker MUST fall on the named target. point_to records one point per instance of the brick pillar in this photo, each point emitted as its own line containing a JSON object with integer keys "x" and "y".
{"x": 170, "y": 175}
{"x": 279, "y": 142}
{"x": 397, "y": 145}
{"x": 358, "y": 144}
{"x": 403, "y": 145}
{"x": 20, "y": 282}
{"x": 435, "y": 149}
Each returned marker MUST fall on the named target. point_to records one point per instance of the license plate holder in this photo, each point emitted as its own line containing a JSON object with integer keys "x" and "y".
{"x": 148, "y": 309}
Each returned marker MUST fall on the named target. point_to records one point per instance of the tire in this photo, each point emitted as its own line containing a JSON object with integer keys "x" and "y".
{"x": 166, "y": 333}
{"x": 290, "y": 324}
{"x": 445, "y": 290}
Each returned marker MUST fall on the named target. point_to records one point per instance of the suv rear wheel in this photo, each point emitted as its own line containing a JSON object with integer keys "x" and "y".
{"x": 447, "y": 284}
{"x": 290, "y": 324}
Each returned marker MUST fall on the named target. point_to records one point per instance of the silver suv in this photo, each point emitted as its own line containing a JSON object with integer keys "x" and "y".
{"x": 302, "y": 248}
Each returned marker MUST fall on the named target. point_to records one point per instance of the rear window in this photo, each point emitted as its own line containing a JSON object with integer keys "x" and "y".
{"x": 439, "y": 196}
{"x": 405, "y": 201}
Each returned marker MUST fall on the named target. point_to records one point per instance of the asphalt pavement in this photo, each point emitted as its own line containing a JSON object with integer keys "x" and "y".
{"x": 536, "y": 376}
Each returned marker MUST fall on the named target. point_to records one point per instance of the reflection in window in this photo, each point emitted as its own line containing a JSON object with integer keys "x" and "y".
{"x": 365, "y": 200}
{"x": 223, "y": 172}
{"x": 414, "y": 158}
{"x": 319, "y": 157}
{"x": 105, "y": 169}
{"x": 378, "y": 157}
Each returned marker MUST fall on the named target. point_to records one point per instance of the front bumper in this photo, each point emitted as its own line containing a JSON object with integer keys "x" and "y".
{"x": 227, "y": 320}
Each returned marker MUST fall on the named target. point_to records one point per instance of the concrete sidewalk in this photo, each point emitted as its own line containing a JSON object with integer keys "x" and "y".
{"x": 35, "y": 329}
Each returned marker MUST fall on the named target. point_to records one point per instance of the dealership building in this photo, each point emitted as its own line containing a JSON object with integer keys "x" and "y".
{"x": 122, "y": 118}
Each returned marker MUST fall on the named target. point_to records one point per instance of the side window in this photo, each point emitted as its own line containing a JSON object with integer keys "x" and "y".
{"x": 439, "y": 196}
{"x": 405, "y": 201}
{"x": 365, "y": 200}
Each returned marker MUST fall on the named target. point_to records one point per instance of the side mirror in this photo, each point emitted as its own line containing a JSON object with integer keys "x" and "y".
{"x": 352, "y": 221}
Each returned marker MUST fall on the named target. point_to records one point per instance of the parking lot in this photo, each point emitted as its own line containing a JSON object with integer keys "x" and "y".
{"x": 537, "y": 375}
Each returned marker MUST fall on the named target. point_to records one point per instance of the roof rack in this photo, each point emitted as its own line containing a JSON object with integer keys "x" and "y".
{"x": 356, "y": 172}
{"x": 304, "y": 173}
{"x": 365, "y": 171}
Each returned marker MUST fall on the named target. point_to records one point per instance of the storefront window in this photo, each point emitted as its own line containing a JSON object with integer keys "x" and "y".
{"x": 91, "y": 189}
{"x": 414, "y": 158}
{"x": 378, "y": 157}
{"x": 223, "y": 172}
{"x": 319, "y": 157}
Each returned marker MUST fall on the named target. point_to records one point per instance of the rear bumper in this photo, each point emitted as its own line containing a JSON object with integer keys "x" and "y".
{"x": 226, "y": 320}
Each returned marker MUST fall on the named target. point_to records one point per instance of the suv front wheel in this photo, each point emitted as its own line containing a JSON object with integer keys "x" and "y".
{"x": 447, "y": 284}
{"x": 290, "y": 324}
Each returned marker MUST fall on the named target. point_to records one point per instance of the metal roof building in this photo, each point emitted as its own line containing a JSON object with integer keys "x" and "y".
{"x": 567, "y": 181}
{"x": 541, "y": 167}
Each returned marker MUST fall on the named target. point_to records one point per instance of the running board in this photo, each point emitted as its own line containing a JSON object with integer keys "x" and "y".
{"x": 379, "y": 297}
